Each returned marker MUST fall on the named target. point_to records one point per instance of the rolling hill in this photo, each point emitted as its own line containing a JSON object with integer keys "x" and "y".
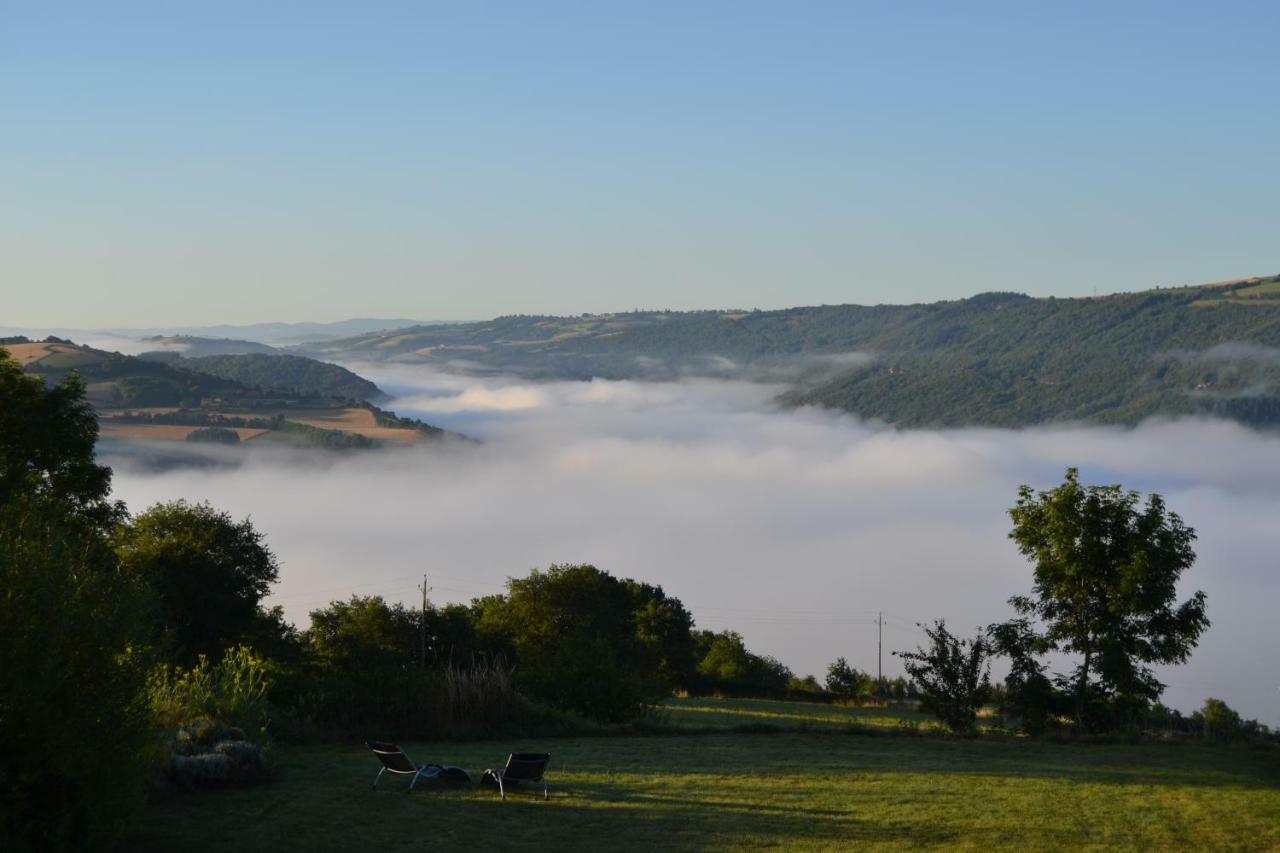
{"x": 289, "y": 372}
{"x": 137, "y": 398}
{"x": 189, "y": 346}
{"x": 995, "y": 359}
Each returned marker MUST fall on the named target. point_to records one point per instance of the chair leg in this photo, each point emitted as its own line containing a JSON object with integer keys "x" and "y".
{"x": 546, "y": 790}
{"x": 502, "y": 791}
{"x": 416, "y": 777}
{"x": 378, "y": 778}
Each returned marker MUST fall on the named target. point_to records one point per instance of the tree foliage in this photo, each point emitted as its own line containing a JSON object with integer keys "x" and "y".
{"x": 47, "y": 436}
{"x": 953, "y": 674}
{"x": 845, "y": 681}
{"x": 1028, "y": 694}
{"x": 725, "y": 663}
{"x": 71, "y": 674}
{"x": 586, "y": 641}
{"x": 1107, "y": 567}
{"x": 209, "y": 574}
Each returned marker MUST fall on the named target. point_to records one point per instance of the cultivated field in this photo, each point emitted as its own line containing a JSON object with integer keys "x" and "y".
{"x": 161, "y": 432}
{"x": 349, "y": 420}
{"x": 823, "y": 789}
{"x": 359, "y": 421}
{"x": 55, "y": 355}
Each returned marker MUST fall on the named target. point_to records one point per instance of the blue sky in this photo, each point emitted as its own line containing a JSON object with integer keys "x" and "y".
{"x": 222, "y": 163}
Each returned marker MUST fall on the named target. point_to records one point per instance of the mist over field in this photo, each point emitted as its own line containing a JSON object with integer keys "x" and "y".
{"x": 791, "y": 527}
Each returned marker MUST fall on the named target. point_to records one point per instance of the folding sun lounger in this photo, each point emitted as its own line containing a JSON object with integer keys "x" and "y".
{"x": 522, "y": 768}
{"x": 393, "y": 759}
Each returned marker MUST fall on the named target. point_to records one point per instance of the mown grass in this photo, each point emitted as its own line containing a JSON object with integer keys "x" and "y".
{"x": 702, "y": 713}
{"x": 818, "y": 789}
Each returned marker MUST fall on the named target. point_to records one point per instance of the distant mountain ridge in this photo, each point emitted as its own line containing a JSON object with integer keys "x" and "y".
{"x": 286, "y": 333}
{"x": 995, "y": 359}
{"x": 261, "y": 333}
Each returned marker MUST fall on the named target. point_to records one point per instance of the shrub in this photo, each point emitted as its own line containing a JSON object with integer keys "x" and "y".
{"x": 214, "y": 435}
{"x": 233, "y": 691}
{"x": 952, "y": 673}
{"x": 208, "y": 752}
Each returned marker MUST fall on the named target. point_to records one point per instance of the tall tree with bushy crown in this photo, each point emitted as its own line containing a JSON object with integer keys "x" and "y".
{"x": 1107, "y": 565}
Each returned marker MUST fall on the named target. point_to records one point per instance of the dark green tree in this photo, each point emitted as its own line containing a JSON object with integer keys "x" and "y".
{"x": 1106, "y": 573}
{"x": 845, "y": 681}
{"x": 71, "y": 673}
{"x": 209, "y": 574}
{"x": 364, "y": 633}
{"x": 577, "y": 641}
{"x": 723, "y": 656}
{"x": 47, "y": 437}
{"x": 953, "y": 675}
{"x": 665, "y": 628}
{"x": 726, "y": 663}
{"x": 1028, "y": 693}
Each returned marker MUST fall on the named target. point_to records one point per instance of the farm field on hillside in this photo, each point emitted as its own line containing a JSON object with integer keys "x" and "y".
{"x": 791, "y": 790}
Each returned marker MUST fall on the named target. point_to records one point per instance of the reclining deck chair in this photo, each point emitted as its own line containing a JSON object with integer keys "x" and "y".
{"x": 522, "y": 768}
{"x": 394, "y": 759}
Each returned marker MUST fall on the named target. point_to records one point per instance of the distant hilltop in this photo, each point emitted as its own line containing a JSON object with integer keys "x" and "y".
{"x": 284, "y": 400}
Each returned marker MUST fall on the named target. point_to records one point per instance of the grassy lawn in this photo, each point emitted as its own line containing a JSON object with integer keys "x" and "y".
{"x": 727, "y": 713}
{"x": 795, "y": 790}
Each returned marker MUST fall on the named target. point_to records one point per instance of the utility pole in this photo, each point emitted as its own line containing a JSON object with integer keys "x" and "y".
{"x": 423, "y": 622}
{"x": 880, "y": 653}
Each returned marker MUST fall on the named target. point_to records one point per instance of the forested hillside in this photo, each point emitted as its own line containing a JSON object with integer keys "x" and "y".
{"x": 999, "y": 359}
{"x": 287, "y": 372}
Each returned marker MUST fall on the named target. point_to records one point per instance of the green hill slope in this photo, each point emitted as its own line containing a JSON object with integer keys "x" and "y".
{"x": 997, "y": 359}
{"x": 142, "y": 399}
{"x": 287, "y": 372}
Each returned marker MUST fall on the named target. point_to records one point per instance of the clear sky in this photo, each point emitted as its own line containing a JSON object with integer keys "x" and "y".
{"x": 234, "y": 162}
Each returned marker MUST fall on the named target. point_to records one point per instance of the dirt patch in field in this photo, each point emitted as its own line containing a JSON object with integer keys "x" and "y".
{"x": 152, "y": 432}
{"x": 26, "y": 354}
{"x": 359, "y": 421}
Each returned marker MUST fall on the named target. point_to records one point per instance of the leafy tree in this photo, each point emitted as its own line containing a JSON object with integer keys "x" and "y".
{"x": 724, "y": 656}
{"x": 770, "y": 673}
{"x": 845, "y": 681}
{"x": 362, "y": 666}
{"x": 664, "y": 627}
{"x": 1106, "y": 574}
{"x": 209, "y": 574}
{"x": 724, "y": 660}
{"x": 71, "y": 677}
{"x": 47, "y": 436}
{"x": 1028, "y": 693}
{"x": 953, "y": 674}
{"x": 1219, "y": 719}
{"x": 364, "y": 633}
{"x": 808, "y": 684}
{"x": 577, "y": 640}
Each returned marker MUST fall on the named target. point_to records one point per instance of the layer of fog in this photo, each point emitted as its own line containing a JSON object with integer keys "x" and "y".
{"x": 794, "y": 528}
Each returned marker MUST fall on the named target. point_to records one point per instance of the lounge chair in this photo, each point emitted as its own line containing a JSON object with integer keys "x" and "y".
{"x": 522, "y": 768}
{"x": 394, "y": 759}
